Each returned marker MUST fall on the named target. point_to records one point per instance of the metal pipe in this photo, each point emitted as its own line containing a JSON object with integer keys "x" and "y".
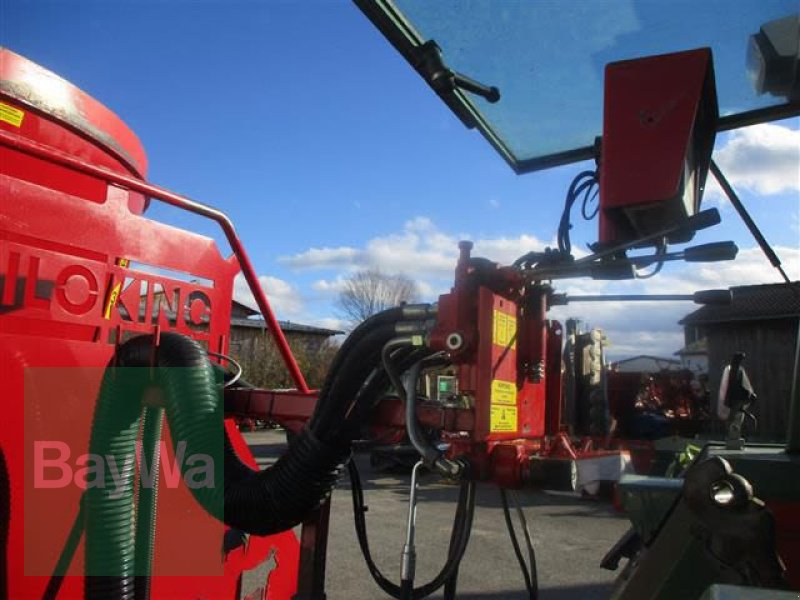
{"x": 409, "y": 556}
{"x": 630, "y": 298}
{"x": 748, "y": 221}
{"x": 701, "y": 220}
{"x": 182, "y": 202}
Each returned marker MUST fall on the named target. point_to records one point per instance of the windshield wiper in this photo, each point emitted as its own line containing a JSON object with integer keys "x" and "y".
{"x": 444, "y": 80}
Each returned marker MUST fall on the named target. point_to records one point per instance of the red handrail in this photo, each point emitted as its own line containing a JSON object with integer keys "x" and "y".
{"x": 35, "y": 149}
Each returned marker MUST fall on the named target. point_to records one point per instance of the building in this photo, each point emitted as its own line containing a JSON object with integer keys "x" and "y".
{"x": 645, "y": 363}
{"x": 252, "y": 345}
{"x": 762, "y": 322}
{"x": 245, "y": 329}
{"x": 694, "y": 356}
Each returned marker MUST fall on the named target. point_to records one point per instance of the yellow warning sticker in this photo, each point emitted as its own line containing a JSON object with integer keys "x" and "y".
{"x": 503, "y": 419}
{"x": 504, "y": 393}
{"x": 113, "y": 296}
{"x": 11, "y": 115}
{"x": 112, "y": 300}
{"x": 505, "y": 330}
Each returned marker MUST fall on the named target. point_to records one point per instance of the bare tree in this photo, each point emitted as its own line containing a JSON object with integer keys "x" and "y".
{"x": 370, "y": 291}
{"x": 263, "y": 366}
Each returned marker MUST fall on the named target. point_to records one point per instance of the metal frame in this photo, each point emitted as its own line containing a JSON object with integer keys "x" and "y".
{"x": 137, "y": 185}
{"x": 405, "y": 39}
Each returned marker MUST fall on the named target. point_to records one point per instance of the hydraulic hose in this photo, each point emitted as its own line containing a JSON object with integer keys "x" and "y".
{"x": 432, "y": 456}
{"x": 528, "y": 571}
{"x": 392, "y": 316}
{"x": 258, "y": 502}
{"x": 429, "y": 453}
{"x": 459, "y": 538}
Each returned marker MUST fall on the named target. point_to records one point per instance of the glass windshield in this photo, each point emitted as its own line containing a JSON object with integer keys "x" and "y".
{"x": 547, "y": 57}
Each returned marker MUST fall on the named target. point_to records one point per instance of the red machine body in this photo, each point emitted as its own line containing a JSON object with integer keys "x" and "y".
{"x": 508, "y": 359}
{"x": 81, "y": 270}
{"x": 659, "y": 127}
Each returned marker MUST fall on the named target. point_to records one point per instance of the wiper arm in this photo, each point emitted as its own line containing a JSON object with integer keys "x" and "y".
{"x": 443, "y": 79}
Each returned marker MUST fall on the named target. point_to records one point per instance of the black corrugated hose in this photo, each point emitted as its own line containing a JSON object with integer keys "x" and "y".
{"x": 258, "y": 502}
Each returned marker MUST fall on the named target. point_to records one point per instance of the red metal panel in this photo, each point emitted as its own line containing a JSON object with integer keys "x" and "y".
{"x": 533, "y": 358}
{"x": 659, "y": 113}
{"x": 75, "y": 122}
{"x": 154, "y": 192}
{"x": 553, "y": 378}
{"x": 497, "y": 406}
{"x": 67, "y": 298}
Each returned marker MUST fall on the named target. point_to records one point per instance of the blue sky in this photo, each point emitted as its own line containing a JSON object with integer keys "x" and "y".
{"x": 330, "y": 154}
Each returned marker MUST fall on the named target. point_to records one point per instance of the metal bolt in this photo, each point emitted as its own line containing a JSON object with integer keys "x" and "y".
{"x": 454, "y": 341}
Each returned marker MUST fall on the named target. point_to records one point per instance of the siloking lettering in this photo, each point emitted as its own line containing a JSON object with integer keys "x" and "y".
{"x": 124, "y": 295}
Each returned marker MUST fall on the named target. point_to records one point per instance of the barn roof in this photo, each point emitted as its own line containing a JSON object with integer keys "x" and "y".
{"x": 696, "y": 347}
{"x": 752, "y": 303}
{"x": 286, "y": 327}
{"x": 658, "y": 359}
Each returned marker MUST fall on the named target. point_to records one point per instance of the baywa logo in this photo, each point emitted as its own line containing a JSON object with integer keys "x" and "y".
{"x": 53, "y": 469}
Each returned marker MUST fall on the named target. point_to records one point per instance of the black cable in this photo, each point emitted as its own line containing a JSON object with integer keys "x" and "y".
{"x": 592, "y": 194}
{"x": 459, "y": 538}
{"x": 529, "y": 574}
{"x": 584, "y": 183}
{"x": 660, "y": 251}
{"x": 67, "y": 554}
{"x": 528, "y": 542}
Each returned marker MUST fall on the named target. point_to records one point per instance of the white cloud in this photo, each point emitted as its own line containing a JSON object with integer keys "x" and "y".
{"x": 651, "y": 327}
{"x": 329, "y": 286}
{"x": 329, "y": 323}
{"x": 427, "y": 254}
{"x": 284, "y": 298}
{"x": 315, "y": 258}
{"x": 420, "y": 249}
{"x": 763, "y": 158}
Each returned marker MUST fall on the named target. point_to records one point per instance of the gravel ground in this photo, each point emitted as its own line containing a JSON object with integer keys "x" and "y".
{"x": 571, "y": 535}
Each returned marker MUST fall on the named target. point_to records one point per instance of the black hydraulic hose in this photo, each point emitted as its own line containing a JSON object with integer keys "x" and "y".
{"x": 459, "y": 538}
{"x": 375, "y": 387}
{"x": 529, "y": 574}
{"x": 278, "y": 498}
{"x": 341, "y": 402}
{"x": 255, "y": 502}
{"x": 416, "y": 312}
{"x": 259, "y": 502}
{"x": 430, "y": 455}
{"x": 354, "y": 367}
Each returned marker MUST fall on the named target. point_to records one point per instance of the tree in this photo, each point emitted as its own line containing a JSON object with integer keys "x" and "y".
{"x": 370, "y": 291}
{"x": 262, "y": 364}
